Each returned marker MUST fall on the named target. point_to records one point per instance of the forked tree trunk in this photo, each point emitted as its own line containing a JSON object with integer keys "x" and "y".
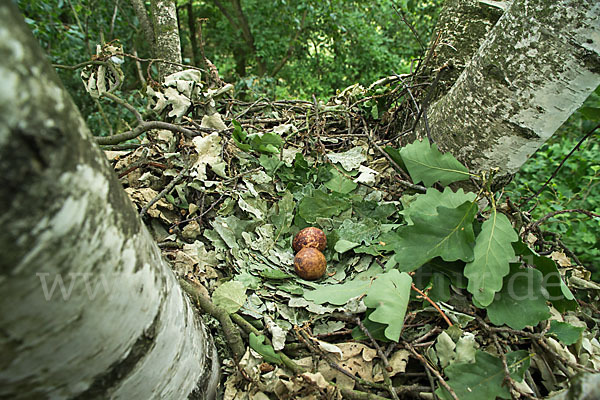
{"x": 88, "y": 309}
{"x": 162, "y": 33}
{"x": 536, "y": 67}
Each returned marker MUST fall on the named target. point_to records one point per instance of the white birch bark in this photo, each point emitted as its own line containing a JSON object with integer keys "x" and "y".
{"x": 120, "y": 327}
{"x": 536, "y": 67}
{"x": 166, "y": 35}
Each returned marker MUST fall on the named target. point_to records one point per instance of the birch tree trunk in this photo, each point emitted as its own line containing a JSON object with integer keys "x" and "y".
{"x": 168, "y": 46}
{"x": 88, "y": 309}
{"x": 162, "y": 33}
{"x": 460, "y": 30}
{"x": 536, "y": 67}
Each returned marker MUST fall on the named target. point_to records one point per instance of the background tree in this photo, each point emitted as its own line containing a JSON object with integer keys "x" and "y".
{"x": 122, "y": 320}
{"x": 162, "y": 32}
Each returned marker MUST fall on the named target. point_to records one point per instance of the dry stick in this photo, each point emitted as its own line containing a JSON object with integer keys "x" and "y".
{"x": 140, "y": 164}
{"x": 431, "y": 383}
{"x": 199, "y": 217}
{"x": 125, "y": 104}
{"x": 507, "y": 378}
{"x": 552, "y": 214}
{"x": 409, "y": 25}
{"x": 537, "y": 338}
{"x": 559, "y": 167}
{"x": 430, "y": 368}
{"x": 394, "y": 163}
{"x": 423, "y": 295}
{"x": 141, "y": 128}
{"x": 432, "y": 332}
{"x": 360, "y": 383}
{"x": 232, "y": 335}
{"x": 356, "y": 395}
{"x": 384, "y": 371}
{"x": 531, "y": 384}
{"x": 165, "y": 191}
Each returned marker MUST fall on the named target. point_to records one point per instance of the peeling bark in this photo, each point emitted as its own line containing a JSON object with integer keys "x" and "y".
{"x": 89, "y": 309}
{"x": 536, "y": 67}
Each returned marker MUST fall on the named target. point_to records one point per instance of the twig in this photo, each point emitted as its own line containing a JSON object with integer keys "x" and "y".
{"x": 385, "y": 371}
{"x": 356, "y": 395}
{"x": 165, "y": 191}
{"x": 507, "y": 378}
{"x": 552, "y": 214}
{"x": 125, "y": 104}
{"x": 141, "y": 128}
{"x": 423, "y": 295}
{"x": 430, "y": 368}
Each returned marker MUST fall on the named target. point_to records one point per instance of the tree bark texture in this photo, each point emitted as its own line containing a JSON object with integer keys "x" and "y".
{"x": 536, "y": 67}
{"x": 166, "y": 35}
{"x": 140, "y": 12}
{"x": 460, "y": 30}
{"x": 89, "y": 310}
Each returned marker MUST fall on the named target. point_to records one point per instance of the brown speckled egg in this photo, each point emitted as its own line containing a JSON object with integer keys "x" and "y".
{"x": 310, "y": 237}
{"x": 310, "y": 263}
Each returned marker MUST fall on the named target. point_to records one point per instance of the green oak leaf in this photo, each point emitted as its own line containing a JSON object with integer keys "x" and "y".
{"x": 265, "y": 350}
{"x": 521, "y": 302}
{"x": 376, "y": 329}
{"x": 363, "y": 231}
{"x": 484, "y": 379}
{"x": 427, "y": 203}
{"x": 340, "y": 293}
{"x": 275, "y": 274}
{"x": 389, "y": 296}
{"x": 426, "y": 164}
{"x": 339, "y": 183}
{"x": 321, "y": 205}
{"x": 230, "y": 296}
{"x": 558, "y": 293}
{"x": 448, "y": 234}
{"x": 493, "y": 253}
{"x": 282, "y": 215}
{"x": 566, "y": 333}
{"x": 395, "y": 155}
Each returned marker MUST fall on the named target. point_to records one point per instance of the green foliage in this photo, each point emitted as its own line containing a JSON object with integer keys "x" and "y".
{"x": 69, "y": 33}
{"x": 448, "y": 234}
{"x": 265, "y": 350}
{"x": 389, "y": 296}
{"x": 427, "y": 204}
{"x": 493, "y": 252}
{"x": 574, "y": 187}
{"x": 426, "y": 164}
{"x": 566, "y": 333}
{"x": 484, "y": 378}
{"x": 266, "y": 143}
{"x": 521, "y": 302}
{"x": 321, "y": 205}
{"x": 340, "y": 294}
{"x": 230, "y": 296}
